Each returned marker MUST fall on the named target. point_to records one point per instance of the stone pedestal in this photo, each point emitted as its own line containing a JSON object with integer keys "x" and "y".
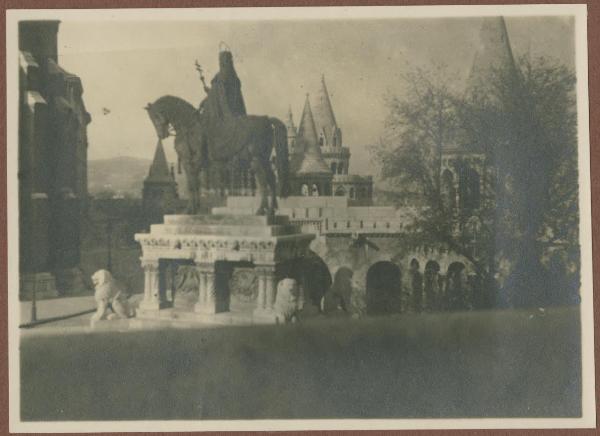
{"x": 258, "y": 242}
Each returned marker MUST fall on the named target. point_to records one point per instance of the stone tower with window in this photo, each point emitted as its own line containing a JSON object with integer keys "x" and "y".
{"x": 310, "y": 174}
{"x": 465, "y": 174}
{"x": 159, "y": 196}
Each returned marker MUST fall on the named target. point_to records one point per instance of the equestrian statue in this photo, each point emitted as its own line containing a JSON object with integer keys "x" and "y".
{"x": 220, "y": 132}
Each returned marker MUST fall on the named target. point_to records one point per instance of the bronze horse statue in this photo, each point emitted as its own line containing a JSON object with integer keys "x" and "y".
{"x": 200, "y": 143}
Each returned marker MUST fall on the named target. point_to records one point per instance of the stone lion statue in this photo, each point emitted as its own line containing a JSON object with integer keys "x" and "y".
{"x": 109, "y": 294}
{"x": 289, "y": 301}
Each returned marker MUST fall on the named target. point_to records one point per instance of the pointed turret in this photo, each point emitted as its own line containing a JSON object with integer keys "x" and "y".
{"x": 291, "y": 132}
{"x": 494, "y": 54}
{"x": 159, "y": 195}
{"x": 312, "y": 160}
{"x": 291, "y": 127}
{"x": 159, "y": 170}
{"x": 327, "y": 127}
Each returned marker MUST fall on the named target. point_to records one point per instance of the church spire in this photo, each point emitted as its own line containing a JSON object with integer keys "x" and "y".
{"x": 312, "y": 160}
{"x": 324, "y": 117}
{"x": 493, "y": 55}
{"x": 159, "y": 170}
{"x": 291, "y": 128}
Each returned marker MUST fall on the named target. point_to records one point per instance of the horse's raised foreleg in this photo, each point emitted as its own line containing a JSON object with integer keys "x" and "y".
{"x": 261, "y": 185}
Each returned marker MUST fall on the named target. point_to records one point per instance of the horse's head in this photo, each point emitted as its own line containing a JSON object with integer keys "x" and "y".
{"x": 161, "y": 123}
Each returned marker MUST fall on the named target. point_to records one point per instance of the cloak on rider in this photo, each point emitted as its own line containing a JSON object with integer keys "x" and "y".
{"x": 224, "y": 98}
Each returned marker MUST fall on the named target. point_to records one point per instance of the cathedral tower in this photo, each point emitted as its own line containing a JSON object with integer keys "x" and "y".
{"x": 159, "y": 195}
{"x": 329, "y": 134}
{"x": 311, "y": 175}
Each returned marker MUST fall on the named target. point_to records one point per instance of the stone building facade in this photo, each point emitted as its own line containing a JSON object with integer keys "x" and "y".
{"x": 52, "y": 165}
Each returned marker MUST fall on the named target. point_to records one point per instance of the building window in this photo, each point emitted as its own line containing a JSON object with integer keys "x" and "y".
{"x": 334, "y": 168}
{"x": 351, "y": 192}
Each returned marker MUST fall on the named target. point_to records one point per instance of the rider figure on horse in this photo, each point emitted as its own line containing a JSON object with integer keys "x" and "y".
{"x": 224, "y": 98}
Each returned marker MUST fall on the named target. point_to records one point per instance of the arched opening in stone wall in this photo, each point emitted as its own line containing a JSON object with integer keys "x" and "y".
{"x": 431, "y": 285}
{"x": 312, "y": 273}
{"x": 456, "y": 287}
{"x": 340, "y": 191}
{"x": 314, "y": 190}
{"x": 384, "y": 286}
{"x": 448, "y": 191}
{"x": 334, "y": 167}
{"x": 304, "y": 190}
{"x": 338, "y": 298}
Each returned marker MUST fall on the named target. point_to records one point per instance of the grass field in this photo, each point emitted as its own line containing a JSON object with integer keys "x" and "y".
{"x": 485, "y": 364}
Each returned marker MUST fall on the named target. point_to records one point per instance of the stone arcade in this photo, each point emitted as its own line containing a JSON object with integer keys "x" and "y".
{"x": 267, "y": 244}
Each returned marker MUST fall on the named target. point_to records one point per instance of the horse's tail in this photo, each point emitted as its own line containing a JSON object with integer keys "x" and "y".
{"x": 281, "y": 157}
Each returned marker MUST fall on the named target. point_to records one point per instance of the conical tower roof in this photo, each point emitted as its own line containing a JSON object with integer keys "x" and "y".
{"x": 159, "y": 170}
{"x": 312, "y": 160}
{"x": 324, "y": 117}
{"x": 493, "y": 55}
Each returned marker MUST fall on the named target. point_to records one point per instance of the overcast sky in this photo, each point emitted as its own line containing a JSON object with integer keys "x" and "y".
{"x": 124, "y": 66}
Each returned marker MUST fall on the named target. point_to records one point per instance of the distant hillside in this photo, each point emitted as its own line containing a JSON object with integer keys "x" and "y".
{"x": 121, "y": 175}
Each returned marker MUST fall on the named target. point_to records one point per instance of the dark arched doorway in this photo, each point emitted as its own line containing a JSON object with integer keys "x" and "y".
{"x": 338, "y": 300}
{"x": 432, "y": 285}
{"x": 383, "y": 288}
{"x": 312, "y": 273}
{"x": 456, "y": 286}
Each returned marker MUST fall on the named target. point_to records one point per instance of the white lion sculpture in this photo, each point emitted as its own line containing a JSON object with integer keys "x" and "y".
{"x": 108, "y": 292}
{"x": 289, "y": 301}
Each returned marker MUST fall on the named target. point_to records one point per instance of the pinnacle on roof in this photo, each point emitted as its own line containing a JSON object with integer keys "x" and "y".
{"x": 159, "y": 170}
{"x": 325, "y": 119}
{"x": 291, "y": 128}
{"x": 494, "y": 53}
{"x": 312, "y": 160}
